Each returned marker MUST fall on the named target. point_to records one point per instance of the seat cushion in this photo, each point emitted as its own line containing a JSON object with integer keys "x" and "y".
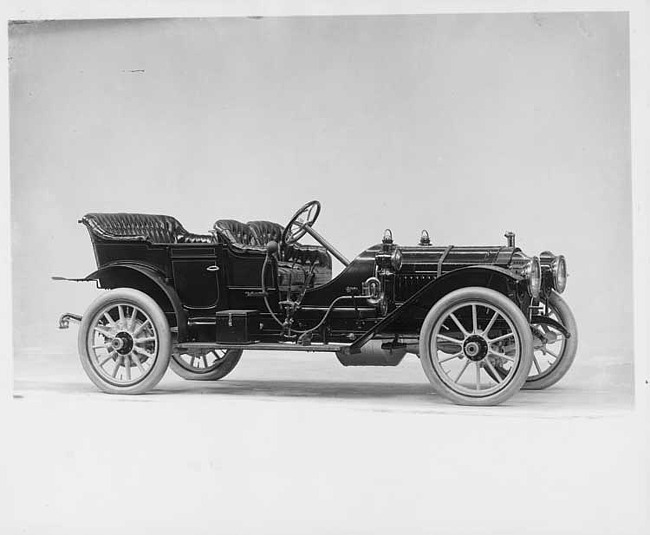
{"x": 290, "y": 276}
{"x": 190, "y": 237}
{"x": 308, "y": 255}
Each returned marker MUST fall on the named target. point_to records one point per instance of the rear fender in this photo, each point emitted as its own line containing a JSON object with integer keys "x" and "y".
{"x": 494, "y": 277}
{"x": 147, "y": 280}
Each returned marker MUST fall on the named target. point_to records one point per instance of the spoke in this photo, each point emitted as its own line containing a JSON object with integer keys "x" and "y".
{"x": 450, "y": 357}
{"x": 462, "y": 371}
{"x": 504, "y": 337}
{"x": 458, "y": 324}
{"x": 107, "y": 358}
{"x": 474, "y": 320}
{"x": 104, "y": 345}
{"x": 110, "y": 320}
{"x": 139, "y": 329}
{"x": 138, "y": 363}
{"x": 132, "y": 320}
{"x": 205, "y": 362}
{"x": 144, "y": 340}
{"x": 118, "y": 363}
{"x": 192, "y": 361}
{"x": 495, "y": 373}
{"x": 502, "y": 355}
{"x": 539, "y": 370}
{"x": 127, "y": 367}
{"x": 478, "y": 376}
{"x": 104, "y": 333}
{"x": 491, "y": 324}
{"x": 142, "y": 352}
{"x": 449, "y": 339}
{"x": 120, "y": 309}
{"x": 547, "y": 350}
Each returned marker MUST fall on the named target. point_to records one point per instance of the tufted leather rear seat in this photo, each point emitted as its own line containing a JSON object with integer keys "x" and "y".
{"x": 141, "y": 227}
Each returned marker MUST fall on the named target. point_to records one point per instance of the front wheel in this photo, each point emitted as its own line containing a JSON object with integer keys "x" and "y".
{"x": 205, "y": 365}
{"x": 554, "y": 353}
{"x": 464, "y": 334}
{"x": 124, "y": 342}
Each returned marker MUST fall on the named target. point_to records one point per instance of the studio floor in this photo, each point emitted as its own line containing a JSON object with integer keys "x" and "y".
{"x": 299, "y": 444}
{"x": 304, "y": 378}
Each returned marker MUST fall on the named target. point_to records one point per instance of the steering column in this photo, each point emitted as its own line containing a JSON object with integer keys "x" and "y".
{"x": 302, "y": 223}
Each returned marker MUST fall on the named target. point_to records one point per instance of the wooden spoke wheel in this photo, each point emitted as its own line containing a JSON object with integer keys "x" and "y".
{"x": 461, "y": 335}
{"x": 205, "y": 365}
{"x": 124, "y": 342}
{"x": 553, "y": 352}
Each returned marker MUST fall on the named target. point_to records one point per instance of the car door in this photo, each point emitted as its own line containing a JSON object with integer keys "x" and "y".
{"x": 196, "y": 274}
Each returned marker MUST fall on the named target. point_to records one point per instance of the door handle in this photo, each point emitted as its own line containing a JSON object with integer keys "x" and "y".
{"x": 212, "y": 268}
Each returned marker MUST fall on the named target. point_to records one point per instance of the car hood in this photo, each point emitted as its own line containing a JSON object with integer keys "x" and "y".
{"x": 427, "y": 259}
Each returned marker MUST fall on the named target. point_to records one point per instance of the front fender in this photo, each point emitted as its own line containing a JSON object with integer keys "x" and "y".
{"x": 490, "y": 276}
{"x": 494, "y": 277}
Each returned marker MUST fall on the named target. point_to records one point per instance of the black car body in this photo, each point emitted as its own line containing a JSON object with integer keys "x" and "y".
{"x": 247, "y": 286}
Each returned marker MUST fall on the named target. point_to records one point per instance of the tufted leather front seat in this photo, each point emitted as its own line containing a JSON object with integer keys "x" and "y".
{"x": 265, "y": 231}
{"x": 141, "y": 227}
{"x": 295, "y": 260}
{"x": 236, "y": 232}
{"x": 243, "y": 236}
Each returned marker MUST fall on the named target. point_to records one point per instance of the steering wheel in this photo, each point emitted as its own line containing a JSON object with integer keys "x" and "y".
{"x": 303, "y": 218}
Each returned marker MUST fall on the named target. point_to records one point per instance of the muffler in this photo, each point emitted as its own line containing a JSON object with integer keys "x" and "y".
{"x": 372, "y": 354}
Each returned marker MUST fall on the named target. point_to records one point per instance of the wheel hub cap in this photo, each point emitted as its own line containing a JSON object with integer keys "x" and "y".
{"x": 122, "y": 343}
{"x": 475, "y": 348}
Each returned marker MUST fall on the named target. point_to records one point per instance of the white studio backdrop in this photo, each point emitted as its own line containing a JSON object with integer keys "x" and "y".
{"x": 466, "y": 125}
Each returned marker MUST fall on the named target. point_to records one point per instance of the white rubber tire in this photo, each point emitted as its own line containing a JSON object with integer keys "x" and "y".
{"x": 521, "y": 329}
{"x": 129, "y": 297}
{"x": 229, "y": 361}
{"x": 568, "y": 355}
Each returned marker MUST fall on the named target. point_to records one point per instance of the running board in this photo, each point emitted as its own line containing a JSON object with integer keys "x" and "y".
{"x": 315, "y": 348}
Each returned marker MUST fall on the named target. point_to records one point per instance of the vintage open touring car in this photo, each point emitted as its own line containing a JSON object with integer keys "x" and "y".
{"x": 484, "y": 321}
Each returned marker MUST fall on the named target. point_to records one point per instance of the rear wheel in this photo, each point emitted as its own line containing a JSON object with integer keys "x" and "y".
{"x": 124, "y": 342}
{"x": 461, "y": 335}
{"x": 205, "y": 365}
